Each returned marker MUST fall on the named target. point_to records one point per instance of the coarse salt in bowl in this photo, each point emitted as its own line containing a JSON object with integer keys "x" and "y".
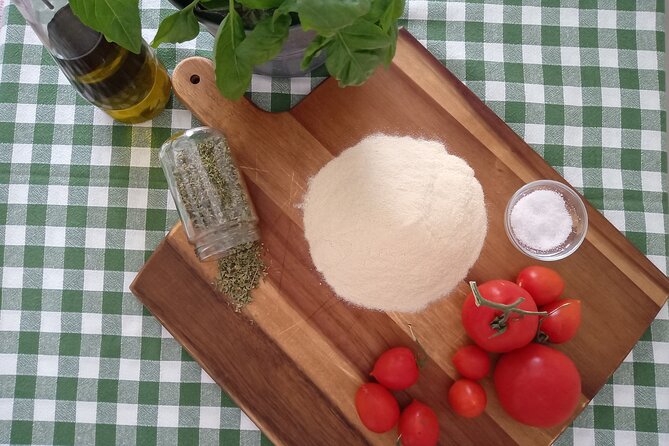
{"x": 546, "y": 220}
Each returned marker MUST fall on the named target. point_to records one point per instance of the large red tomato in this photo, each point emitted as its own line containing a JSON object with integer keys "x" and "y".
{"x": 537, "y": 385}
{"x": 487, "y": 325}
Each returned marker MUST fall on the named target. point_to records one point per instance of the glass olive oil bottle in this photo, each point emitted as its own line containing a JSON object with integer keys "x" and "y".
{"x": 129, "y": 87}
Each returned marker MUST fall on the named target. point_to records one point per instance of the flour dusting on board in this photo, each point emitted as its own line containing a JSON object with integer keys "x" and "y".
{"x": 394, "y": 223}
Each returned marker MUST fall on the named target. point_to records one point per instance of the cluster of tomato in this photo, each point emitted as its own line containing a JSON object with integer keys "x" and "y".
{"x": 535, "y": 384}
{"x": 396, "y": 369}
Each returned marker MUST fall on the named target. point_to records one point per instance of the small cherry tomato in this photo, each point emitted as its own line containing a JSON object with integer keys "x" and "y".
{"x": 489, "y": 328}
{"x": 472, "y": 362}
{"x": 396, "y": 369}
{"x": 377, "y": 407}
{"x": 418, "y": 425}
{"x": 467, "y": 398}
{"x": 544, "y": 284}
{"x": 562, "y": 322}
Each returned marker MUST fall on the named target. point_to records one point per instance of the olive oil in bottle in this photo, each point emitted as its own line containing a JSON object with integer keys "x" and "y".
{"x": 129, "y": 87}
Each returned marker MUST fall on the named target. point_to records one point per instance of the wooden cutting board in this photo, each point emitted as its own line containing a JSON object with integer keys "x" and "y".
{"x": 294, "y": 358}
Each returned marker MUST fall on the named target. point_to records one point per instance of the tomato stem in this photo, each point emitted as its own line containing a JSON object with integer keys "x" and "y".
{"x": 413, "y": 336}
{"x": 420, "y": 360}
{"x": 500, "y": 323}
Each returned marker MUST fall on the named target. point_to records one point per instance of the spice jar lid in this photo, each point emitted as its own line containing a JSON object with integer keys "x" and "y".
{"x": 546, "y": 220}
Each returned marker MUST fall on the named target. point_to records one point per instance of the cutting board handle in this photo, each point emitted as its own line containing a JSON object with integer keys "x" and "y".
{"x": 257, "y": 138}
{"x": 194, "y": 81}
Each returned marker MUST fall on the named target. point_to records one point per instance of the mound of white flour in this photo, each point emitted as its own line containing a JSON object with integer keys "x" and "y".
{"x": 394, "y": 223}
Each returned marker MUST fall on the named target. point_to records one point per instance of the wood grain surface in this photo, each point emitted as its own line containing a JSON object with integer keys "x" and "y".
{"x": 294, "y": 358}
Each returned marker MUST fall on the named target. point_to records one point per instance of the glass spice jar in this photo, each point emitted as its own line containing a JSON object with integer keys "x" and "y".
{"x": 209, "y": 192}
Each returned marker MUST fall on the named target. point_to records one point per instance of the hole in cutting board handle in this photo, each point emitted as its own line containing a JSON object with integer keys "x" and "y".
{"x": 195, "y": 79}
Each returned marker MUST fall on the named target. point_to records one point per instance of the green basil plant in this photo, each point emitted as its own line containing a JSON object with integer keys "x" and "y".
{"x": 356, "y": 35}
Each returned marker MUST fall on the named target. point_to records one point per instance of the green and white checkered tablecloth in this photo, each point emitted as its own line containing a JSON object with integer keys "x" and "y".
{"x": 83, "y": 202}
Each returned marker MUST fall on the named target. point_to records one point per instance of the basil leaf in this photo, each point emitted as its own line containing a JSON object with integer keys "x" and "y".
{"x": 376, "y": 10}
{"x": 261, "y": 4}
{"x": 356, "y": 51}
{"x": 362, "y": 35}
{"x": 265, "y": 41}
{"x": 233, "y": 74}
{"x": 390, "y": 51}
{"x": 314, "y": 48}
{"x": 326, "y": 17}
{"x": 352, "y": 69}
{"x": 178, "y": 27}
{"x": 386, "y": 12}
{"x": 117, "y": 20}
{"x": 286, "y": 8}
{"x": 393, "y": 11}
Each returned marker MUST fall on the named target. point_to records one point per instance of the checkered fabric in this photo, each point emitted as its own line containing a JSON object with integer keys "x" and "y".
{"x": 83, "y": 202}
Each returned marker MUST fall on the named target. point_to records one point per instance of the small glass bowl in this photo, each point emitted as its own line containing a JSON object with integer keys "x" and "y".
{"x": 576, "y": 209}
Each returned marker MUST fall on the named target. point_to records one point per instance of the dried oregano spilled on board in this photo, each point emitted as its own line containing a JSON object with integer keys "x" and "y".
{"x": 211, "y": 191}
{"x": 240, "y": 272}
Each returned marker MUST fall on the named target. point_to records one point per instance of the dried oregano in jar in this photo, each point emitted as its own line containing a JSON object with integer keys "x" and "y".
{"x": 214, "y": 205}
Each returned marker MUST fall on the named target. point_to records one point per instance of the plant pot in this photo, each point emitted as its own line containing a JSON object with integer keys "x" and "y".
{"x": 286, "y": 63}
